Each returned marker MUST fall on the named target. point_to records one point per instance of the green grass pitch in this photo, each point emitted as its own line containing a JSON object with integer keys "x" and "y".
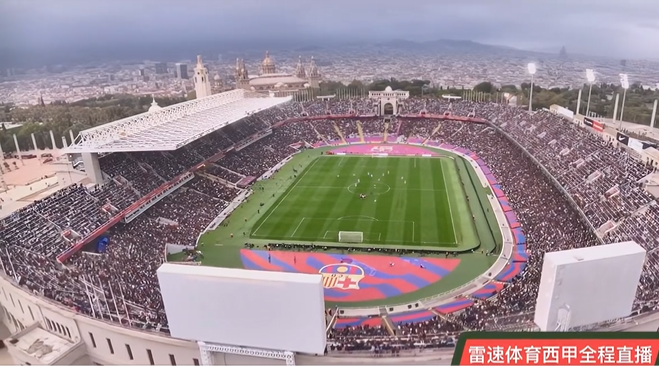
{"x": 410, "y": 202}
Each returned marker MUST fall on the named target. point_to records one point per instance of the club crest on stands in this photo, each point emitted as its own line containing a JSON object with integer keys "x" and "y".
{"x": 343, "y": 276}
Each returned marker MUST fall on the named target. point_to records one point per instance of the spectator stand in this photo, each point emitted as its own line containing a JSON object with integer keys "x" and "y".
{"x": 570, "y": 201}
{"x": 555, "y": 182}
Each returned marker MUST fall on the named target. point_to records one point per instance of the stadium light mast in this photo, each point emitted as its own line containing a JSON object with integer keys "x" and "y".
{"x": 624, "y": 82}
{"x": 532, "y": 69}
{"x": 590, "y": 76}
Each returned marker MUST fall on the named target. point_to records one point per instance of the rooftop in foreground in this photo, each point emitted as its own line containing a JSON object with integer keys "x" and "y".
{"x": 36, "y": 343}
{"x": 174, "y": 126}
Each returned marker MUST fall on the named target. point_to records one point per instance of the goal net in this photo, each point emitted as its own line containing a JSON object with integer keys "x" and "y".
{"x": 351, "y": 236}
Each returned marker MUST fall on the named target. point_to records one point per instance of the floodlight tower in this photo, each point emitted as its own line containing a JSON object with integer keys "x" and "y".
{"x": 590, "y": 76}
{"x": 532, "y": 69}
{"x": 624, "y": 82}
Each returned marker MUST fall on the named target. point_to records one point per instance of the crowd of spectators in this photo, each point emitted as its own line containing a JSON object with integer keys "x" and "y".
{"x": 600, "y": 177}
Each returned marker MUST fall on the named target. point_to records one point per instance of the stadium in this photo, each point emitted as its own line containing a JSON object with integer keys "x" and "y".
{"x": 419, "y": 219}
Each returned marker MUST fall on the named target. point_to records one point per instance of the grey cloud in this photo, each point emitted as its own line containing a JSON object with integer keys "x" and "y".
{"x": 616, "y": 28}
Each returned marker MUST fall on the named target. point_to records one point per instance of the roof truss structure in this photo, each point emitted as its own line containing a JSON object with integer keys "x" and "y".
{"x": 174, "y": 126}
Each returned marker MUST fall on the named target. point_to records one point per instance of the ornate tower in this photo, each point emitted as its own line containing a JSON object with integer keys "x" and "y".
{"x": 300, "y": 71}
{"x": 242, "y": 76}
{"x": 202, "y": 84}
{"x": 268, "y": 66}
{"x": 314, "y": 75}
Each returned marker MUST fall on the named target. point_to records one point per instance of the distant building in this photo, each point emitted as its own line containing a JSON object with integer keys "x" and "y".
{"x": 202, "y": 84}
{"x": 563, "y": 52}
{"x": 281, "y": 84}
{"x": 142, "y": 72}
{"x": 161, "y": 68}
{"x": 217, "y": 85}
{"x": 182, "y": 71}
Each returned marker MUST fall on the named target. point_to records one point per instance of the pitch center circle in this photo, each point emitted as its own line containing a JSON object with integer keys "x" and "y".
{"x": 373, "y": 188}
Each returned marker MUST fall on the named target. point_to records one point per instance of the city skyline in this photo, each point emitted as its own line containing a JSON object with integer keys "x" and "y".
{"x": 616, "y": 30}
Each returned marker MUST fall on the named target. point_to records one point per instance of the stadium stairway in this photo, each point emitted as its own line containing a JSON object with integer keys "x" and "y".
{"x": 149, "y": 169}
{"x": 389, "y": 325}
{"x": 447, "y": 318}
{"x": 338, "y": 132}
{"x": 216, "y": 179}
{"x": 361, "y": 132}
{"x": 433, "y": 133}
{"x": 386, "y": 129}
{"x": 124, "y": 182}
{"x": 320, "y": 137}
{"x": 398, "y": 125}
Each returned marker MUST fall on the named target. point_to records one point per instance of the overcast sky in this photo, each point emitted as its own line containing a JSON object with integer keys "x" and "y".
{"x": 620, "y": 29}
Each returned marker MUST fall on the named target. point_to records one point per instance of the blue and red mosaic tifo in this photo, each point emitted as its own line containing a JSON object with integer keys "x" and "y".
{"x": 354, "y": 278}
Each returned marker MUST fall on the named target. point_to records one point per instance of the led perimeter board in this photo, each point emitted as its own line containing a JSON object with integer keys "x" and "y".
{"x": 271, "y": 310}
{"x": 586, "y": 286}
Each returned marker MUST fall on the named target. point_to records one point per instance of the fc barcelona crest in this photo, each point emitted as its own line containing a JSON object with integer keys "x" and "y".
{"x": 342, "y": 276}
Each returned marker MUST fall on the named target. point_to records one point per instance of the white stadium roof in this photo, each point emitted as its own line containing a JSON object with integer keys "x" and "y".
{"x": 174, "y": 126}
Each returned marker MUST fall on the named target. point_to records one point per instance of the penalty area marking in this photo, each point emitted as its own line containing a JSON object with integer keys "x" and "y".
{"x": 286, "y": 195}
{"x": 357, "y": 218}
{"x": 298, "y": 226}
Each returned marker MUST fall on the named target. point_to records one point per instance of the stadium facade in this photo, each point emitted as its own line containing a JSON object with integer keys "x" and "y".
{"x": 70, "y": 337}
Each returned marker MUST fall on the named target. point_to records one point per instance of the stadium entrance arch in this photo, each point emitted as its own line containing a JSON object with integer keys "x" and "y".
{"x": 388, "y": 101}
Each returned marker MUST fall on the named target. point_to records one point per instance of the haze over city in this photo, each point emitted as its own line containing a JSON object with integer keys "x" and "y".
{"x": 62, "y": 30}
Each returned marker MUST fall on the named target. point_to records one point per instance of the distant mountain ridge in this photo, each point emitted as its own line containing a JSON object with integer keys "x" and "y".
{"x": 444, "y": 45}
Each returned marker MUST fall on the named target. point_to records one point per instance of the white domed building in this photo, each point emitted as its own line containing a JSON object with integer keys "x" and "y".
{"x": 269, "y": 81}
{"x": 154, "y": 105}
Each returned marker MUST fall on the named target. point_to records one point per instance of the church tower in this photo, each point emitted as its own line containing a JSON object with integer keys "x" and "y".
{"x": 202, "y": 85}
{"x": 242, "y": 76}
{"x": 300, "y": 72}
{"x": 314, "y": 75}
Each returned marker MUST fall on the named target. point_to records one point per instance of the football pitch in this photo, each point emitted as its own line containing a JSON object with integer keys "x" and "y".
{"x": 404, "y": 202}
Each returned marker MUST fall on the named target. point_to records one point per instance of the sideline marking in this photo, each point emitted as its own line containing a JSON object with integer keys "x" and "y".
{"x": 450, "y": 210}
{"x": 286, "y": 195}
{"x": 297, "y": 227}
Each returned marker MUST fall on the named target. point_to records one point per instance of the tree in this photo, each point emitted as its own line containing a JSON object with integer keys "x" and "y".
{"x": 485, "y": 87}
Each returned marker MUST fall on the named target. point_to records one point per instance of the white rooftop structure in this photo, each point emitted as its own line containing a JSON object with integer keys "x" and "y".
{"x": 35, "y": 345}
{"x": 174, "y": 126}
